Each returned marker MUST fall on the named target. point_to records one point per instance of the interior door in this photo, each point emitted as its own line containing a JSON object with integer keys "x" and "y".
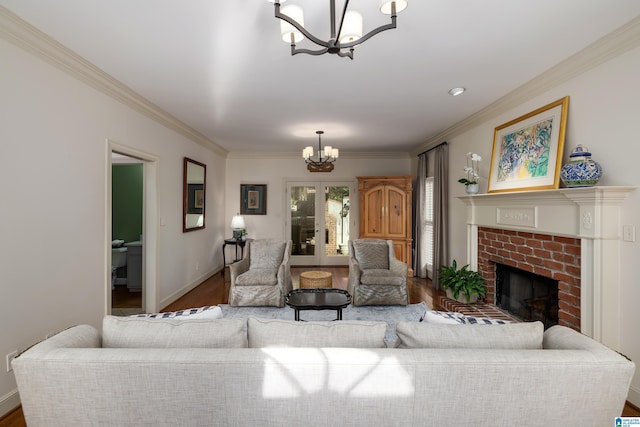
{"x": 319, "y": 222}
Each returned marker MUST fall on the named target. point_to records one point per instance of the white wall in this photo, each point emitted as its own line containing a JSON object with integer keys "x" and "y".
{"x": 274, "y": 172}
{"x": 53, "y": 173}
{"x": 603, "y": 115}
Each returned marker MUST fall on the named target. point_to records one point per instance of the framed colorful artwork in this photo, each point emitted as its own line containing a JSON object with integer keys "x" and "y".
{"x": 527, "y": 151}
{"x": 253, "y": 199}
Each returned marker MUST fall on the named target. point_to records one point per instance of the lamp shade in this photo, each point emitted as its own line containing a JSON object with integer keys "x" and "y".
{"x": 307, "y": 153}
{"x": 286, "y": 29}
{"x": 237, "y": 222}
{"x": 385, "y": 6}
{"x": 352, "y": 27}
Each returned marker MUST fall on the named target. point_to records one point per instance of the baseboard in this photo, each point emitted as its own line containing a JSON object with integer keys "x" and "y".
{"x": 188, "y": 287}
{"x": 9, "y": 402}
{"x": 634, "y": 396}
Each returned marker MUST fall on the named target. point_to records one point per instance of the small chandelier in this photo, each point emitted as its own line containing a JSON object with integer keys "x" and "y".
{"x": 342, "y": 42}
{"x": 323, "y": 164}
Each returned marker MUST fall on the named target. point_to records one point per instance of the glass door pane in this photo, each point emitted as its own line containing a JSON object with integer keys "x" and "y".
{"x": 303, "y": 220}
{"x": 336, "y": 221}
{"x": 318, "y": 223}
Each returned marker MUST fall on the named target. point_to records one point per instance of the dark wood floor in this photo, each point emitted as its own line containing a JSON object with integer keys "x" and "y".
{"x": 215, "y": 290}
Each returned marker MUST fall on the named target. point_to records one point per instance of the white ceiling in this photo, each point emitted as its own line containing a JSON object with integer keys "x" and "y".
{"x": 221, "y": 67}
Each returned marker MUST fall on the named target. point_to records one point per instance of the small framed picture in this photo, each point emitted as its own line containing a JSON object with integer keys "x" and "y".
{"x": 253, "y": 199}
{"x": 527, "y": 151}
{"x": 195, "y": 199}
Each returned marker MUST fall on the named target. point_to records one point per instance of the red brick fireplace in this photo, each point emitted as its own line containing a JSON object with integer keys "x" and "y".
{"x": 550, "y": 256}
{"x": 571, "y": 235}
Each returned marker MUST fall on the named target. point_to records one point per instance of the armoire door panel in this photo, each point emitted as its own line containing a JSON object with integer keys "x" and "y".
{"x": 396, "y": 220}
{"x": 373, "y": 213}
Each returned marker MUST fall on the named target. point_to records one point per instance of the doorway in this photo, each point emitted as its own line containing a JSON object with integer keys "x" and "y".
{"x": 131, "y": 234}
{"x": 319, "y": 221}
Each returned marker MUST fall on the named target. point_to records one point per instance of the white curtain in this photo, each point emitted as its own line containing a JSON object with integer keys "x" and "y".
{"x": 419, "y": 261}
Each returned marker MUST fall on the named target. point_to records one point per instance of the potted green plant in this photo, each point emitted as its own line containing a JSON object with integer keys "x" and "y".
{"x": 461, "y": 284}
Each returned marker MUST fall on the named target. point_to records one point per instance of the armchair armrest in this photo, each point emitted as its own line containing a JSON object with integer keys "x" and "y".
{"x": 284, "y": 270}
{"x": 237, "y": 268}
{"x": 354, "y": 274}
{"x": 398, "y": 267}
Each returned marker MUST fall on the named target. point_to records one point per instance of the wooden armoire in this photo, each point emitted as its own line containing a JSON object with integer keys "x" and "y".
{"x": 385, "y": 212}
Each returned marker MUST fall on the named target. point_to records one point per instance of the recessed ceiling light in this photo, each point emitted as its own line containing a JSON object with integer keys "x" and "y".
{"x": 456, "y": 91}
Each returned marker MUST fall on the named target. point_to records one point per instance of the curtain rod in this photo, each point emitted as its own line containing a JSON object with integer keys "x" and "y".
{"x": 433, "y": 148}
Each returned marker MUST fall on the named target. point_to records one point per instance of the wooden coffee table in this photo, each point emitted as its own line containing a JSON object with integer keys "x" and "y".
{"x": 318, "y": 299}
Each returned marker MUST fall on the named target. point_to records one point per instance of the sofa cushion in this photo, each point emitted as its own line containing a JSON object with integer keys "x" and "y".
{"x": 509, "y": 336}
{"x": 266, "y": 254}
{"x": 289, "y": 333}
{"x": 206, "y": 312}
{"x": 133, "y": 332}
{"x": 447, "y": 317}
{"x": 372, "y": 254}
{"x": 381, "y": 277}
{"x": 258, "y": 277}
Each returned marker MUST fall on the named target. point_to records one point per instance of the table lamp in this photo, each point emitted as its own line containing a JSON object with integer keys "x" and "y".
{"x": 238, "y": 227}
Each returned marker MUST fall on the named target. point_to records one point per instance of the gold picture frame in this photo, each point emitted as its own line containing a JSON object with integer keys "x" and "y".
{"x": 527, "y": 151}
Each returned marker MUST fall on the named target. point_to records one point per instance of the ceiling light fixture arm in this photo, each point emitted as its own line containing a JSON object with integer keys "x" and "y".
{"x": 333, "y": 46}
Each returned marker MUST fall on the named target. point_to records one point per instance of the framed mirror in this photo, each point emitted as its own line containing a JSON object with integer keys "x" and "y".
{"x": 193, "y": 194}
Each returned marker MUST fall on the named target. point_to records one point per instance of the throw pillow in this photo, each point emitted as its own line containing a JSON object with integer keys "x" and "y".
{"x": 447, "y": 317}
{"x": 132, "y": 332}
{"x": 206, "y": 312}
{"x": 509, "y": 336}
{"x": 288, "y": 333}
{"x": 266, "y": 253}
{"x": 484, "y": 321}
{"x": 372, "y": 254}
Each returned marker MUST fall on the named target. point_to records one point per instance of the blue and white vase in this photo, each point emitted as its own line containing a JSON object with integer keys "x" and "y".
{"x": 581, "y": 171}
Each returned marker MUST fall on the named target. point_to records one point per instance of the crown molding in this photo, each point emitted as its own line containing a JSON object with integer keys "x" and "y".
{"x": 27, "y": 37}
{"x": 298, "y": 155}
{"x": 608, "y": 47}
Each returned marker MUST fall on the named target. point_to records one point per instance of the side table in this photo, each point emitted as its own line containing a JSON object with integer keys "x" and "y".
{"x": 316, "y": 279}
{"x": 237, "y": 243}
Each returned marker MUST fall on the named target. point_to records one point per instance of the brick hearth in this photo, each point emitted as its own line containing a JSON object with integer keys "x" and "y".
{"x": 549, "y": 256}
{"x": 479, "y": 309}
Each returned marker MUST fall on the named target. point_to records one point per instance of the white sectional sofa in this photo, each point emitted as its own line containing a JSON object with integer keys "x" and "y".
{"x": 232, "y": 372}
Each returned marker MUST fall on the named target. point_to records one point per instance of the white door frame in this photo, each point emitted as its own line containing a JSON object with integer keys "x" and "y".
{"x": 149, "y": 224}
{"x": 319, "y": 257}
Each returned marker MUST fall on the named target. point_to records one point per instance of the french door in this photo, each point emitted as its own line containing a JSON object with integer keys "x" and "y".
{"x": 319, "y": 221}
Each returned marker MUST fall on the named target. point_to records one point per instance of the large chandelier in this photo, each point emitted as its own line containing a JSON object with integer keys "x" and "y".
{"x": 323, "y": 164}
{"x": 349, "y": 28}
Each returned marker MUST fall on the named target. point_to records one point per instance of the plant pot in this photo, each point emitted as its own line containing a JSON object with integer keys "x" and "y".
{"x": 471, "y": 188}
{"x": 462, "y": 297}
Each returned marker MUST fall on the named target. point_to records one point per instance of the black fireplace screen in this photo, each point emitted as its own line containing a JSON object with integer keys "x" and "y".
{"x": 526, "y": 295}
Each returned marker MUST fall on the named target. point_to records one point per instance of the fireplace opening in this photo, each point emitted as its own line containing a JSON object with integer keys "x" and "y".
{"x": 526, "y": 295}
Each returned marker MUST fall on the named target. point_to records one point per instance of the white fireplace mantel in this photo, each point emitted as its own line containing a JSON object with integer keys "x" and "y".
{"x": 591, "y": 214}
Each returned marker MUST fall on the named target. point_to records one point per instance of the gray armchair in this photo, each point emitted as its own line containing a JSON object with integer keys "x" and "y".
{"x": 376, "y": 276}
{"x": 263, "y": 276}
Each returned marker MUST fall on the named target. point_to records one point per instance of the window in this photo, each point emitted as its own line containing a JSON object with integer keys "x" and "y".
{"x": 427, "y": 226}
